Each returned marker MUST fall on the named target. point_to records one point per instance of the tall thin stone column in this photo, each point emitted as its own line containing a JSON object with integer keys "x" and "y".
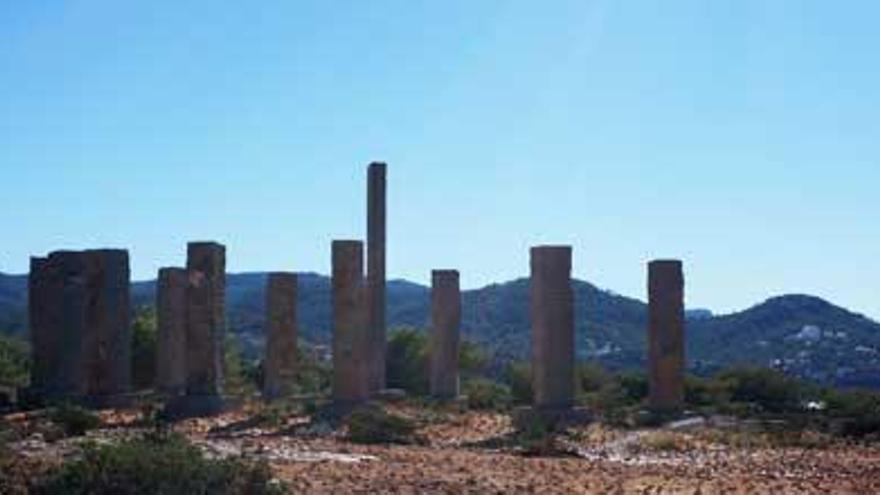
{"x": 206, "y": 318}
{"x": 171, "y": 321}
{"x": 666, "y": 335}
{"x": 69, "y": 299}
{"x": 376, "y": 234}
{"x": 351, "y": 340}
{"x": 281, "y": 333}
{"x": 445, "y": 327}
{"x": 42, "y": 357}
{"x": 552, "y": 313}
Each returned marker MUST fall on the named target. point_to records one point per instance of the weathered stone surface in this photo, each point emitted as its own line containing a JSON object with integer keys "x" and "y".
{"x": 376, "y": 234}
{"x": 171, "y": 308}
{"x": 279, "y": 367}
{"x": 666, "y": 334}
{"x": 108, "y": 323}
{"x": 206, "y": 318}
{"x": 445, "y": 327}
{"x": 42, "y": 358}
{"x": 552, "y": 314}
{"x": 351, "y": 338}
{"x": 79, "y": 306}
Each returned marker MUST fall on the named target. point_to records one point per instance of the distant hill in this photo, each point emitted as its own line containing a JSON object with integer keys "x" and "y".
{"x": 801, "y": 334}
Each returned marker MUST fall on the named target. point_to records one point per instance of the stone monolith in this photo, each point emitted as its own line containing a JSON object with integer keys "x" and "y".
{"x": 279, "y": 367}
{"x": 445, "y": 327}
{"x": 665, "y": 335}
{"x": 376, "y": 235}
{"x": 351, "y": 339}
{"x": 552, "y": 314}
{"x": 206, "y": 318}
{"x": 171, "y": 308}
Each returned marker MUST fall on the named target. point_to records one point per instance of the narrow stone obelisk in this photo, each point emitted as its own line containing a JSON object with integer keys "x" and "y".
{"x": 665, "y": 335}
{"x": 351, "y": 338}
{"x": 171, "y": 310}
{"x": 552, "y": 314}
{"x": 445, "y": 328}
{"x": 279, "y": 367}
{"x": 42, "y": 347}
{"x": 376, "y": 234}
{"x": 206, "y": 318}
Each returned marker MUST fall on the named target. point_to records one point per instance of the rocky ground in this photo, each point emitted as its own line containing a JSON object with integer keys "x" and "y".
{"x": 472, "y": 452}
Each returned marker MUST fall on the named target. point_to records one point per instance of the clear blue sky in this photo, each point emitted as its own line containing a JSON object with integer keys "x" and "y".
{"x": 742, "y": 136}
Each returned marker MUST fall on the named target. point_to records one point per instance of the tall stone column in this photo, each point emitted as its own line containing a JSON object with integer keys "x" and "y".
{"x": 68, "y": 301}
{"x": 376, "y": 234}
{"x": 666, "y": 335}
{"x": 206, "y": 318}
{"x": 552, "y": 313}
{"x": 445, "y": 327}
{"x": 171, "y": 322}
{"x": 351, "y": 339}
{"x": 108, "y": 323}
{"x": 42, "y": 358}
{"x": 279, "y": 368}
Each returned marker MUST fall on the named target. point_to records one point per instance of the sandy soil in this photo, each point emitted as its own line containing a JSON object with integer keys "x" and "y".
{"x": 457, "y": 454}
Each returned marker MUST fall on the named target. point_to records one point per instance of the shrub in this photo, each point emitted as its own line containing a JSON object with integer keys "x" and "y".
{"x": 472, "y": 359}
{"x": 857, "y": 412}
{"x": 156, "y": 464}
{"x": 14, "y": 362}
{"x": 662, "y": 441}
{"x": 143, "y": 348}
{"x": 312, "y": 376}
{"x": 485, "y": 394}
{"x": 407, "y": 361}
{"x": 373, "y": 425}
{"x": 518, "y": 375}
{"x": 768, "y": 390}
{"x": 74, "y": 420}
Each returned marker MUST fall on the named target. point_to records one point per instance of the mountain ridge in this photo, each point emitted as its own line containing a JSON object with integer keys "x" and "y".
{"x": 843, "y": 348}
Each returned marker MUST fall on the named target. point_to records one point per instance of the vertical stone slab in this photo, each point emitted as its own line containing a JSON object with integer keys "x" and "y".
{"x": 351, "y": 339}
{"x": 279, "y": 367}
{"x": 42, "y": 358}
{"x": 552, "y": 314}
{"x": 171, "y": 310}
{"x": 67, "y": 318}
{"x": 665, "y": 335}
{"x": 108, "y": 323}
{"x": 206, "y": 318}
{"x": 445, "y": 327}
{"x": 376, "y": 234}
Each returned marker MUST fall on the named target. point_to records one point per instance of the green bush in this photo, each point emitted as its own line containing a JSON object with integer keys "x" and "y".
{"x": 518, "y": 376}
{"x": 373, "y": 425}
{"x": 484, "y": 394}
{"x": 143, "y": 349}
{"x": 857, "y": 412}
{"x": 165, "y": 464}
{"x": 312, "y": 376}
{"x": 14, "y": 362}
{"x": 767, "y": 390}
{"x": 407, "y": 361}
{"x": 240, "y": 375}
{"x": 74, "y": 420}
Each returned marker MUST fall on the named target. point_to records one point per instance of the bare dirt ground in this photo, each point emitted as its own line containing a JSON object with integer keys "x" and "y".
{"x": 458, "y": 452}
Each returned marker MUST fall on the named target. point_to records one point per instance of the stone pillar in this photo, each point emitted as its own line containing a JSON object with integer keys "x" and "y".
{"x": 108, "y": 323}
{"x": 445, "y": 326}
{"x": 206, "y": 318}
{"x": 171, "y": 307}
{"x": 552, "y": 313}
{"x": 279, "y": 367}
{"x": 351, "y": 340}
{"x": 42, "y": 358}
{"x": 376, "y": 233}
{"x": 666, "y": 335}
{"x": 79, "y": 306}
